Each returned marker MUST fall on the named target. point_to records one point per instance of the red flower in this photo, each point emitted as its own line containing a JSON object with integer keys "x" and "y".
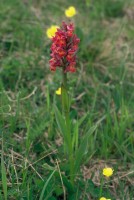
{"x": 64, "y": 48}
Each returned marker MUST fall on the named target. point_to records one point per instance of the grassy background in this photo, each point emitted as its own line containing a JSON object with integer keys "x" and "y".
{"x": 102, "y": 90}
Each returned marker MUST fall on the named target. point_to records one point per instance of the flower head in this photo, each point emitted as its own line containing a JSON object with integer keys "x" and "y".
{"x": 51, "y": 31}
{"x": 108, "y": 171}
{"x": 70, "y": 12}
{"x": 64, "y": 48}
{"x": 103, "y": 198}
{"x": 58, "y": 92}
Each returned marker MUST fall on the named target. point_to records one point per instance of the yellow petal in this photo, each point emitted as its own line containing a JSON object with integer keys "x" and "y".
{"x": 58, "y": 92}
{"x": 70, "y": 12}
{"x": 103, "y": 198}
{"x": 108, "y": 171}
{"x": 51, "y": 31}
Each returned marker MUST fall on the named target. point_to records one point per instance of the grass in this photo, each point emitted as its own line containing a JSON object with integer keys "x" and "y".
{"x": 102, "y": 97}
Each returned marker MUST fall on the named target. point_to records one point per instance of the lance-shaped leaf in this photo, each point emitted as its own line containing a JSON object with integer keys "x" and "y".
{"x": 61, "y": 123}
{"x": 83, "y": 148}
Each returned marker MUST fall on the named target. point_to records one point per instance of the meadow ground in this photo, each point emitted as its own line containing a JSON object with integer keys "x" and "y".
{"x": 102, "y": 99}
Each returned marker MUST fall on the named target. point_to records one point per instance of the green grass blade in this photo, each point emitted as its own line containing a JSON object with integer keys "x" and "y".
{"x": 3, "y": 172}
{"x": 44, "y": 188}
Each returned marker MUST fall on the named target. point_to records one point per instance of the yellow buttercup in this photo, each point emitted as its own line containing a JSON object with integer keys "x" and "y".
{"x": 103, "y": 198}
{"x": 51, "y": 31}
{"x": 108, "y": 172}
{"x": 70, "y": 12}
{"x": 58, "y": 92}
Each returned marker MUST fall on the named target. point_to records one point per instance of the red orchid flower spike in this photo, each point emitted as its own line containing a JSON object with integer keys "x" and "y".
{"x": 64, "y": 48}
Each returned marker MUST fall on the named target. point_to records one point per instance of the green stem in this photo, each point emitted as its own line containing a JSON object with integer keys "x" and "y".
{"x": 64, "y": 80}
{"x": 101, "y": 187}
{"x": 65, "y": 110}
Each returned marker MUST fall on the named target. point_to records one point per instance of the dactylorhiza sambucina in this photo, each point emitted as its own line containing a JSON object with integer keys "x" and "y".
{"x": 63, "y": 55}
{"x": 64, "y": 48}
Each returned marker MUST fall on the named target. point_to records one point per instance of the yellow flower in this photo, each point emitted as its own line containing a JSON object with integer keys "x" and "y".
{"x": 103, "y": 198}
{"x": 51, "y": 31}
{"x": 58, "y": 92}
{"x": 108, "y": 171}
{"x": 70, "y": 12}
